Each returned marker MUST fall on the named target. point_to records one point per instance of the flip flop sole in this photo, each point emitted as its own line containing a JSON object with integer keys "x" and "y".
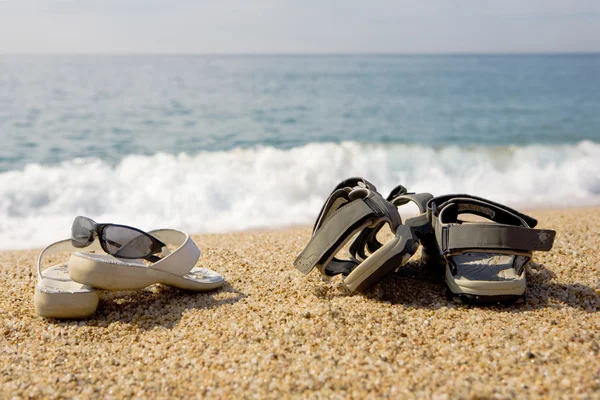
{"x": 483, "y": 300}
{"x": 57, "y": 296}
{"x": 65, "y": 305}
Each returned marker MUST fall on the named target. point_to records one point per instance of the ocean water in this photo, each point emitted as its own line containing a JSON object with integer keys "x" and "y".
{"x": 225, "y": 143}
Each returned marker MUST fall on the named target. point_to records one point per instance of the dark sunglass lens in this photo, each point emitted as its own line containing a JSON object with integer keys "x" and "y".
{"x": 81, "y": 232}
{"x": 126, "y": 243}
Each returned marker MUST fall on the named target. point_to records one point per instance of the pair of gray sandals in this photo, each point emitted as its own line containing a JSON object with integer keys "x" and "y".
{"x": 484, "y": 262}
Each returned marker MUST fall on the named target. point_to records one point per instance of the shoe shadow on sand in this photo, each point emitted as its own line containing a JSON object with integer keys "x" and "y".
{"x": 157, "y": 305}
{"x": 544, "y": 291}
{"x": 416, "y": 285}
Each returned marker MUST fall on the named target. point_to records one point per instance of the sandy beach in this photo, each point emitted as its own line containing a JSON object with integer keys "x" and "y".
{"x": 272, "y": 332}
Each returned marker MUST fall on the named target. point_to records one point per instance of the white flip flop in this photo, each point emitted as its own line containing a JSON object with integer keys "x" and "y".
{"x": 175, "y": 269}
{"x": 68, "y": 290}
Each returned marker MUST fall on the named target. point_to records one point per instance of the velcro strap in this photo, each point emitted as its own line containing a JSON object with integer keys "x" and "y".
{"x": 338, "y": 226}
{"x": 483, "y": 236}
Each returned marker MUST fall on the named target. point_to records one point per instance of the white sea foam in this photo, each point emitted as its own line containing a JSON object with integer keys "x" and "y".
{"x": 268, "y": 187}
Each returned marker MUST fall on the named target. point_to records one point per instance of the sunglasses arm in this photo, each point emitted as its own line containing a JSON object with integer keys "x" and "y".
{"x": 163, "y": 253}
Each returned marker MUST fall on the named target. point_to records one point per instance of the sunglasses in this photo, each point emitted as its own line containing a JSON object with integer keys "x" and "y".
{"x": 121, "y": 241}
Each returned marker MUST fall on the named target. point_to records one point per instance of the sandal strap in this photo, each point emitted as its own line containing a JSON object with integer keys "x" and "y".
{"x": 367, "y": 238}
{"x": 486, "y": 209}
{"x": 480, "y": 236}
{"x": 512, "y": 230}
{"x": 352, "y": 206}
{"x": 338, "y": 195}
{"x": 420, "y": 199}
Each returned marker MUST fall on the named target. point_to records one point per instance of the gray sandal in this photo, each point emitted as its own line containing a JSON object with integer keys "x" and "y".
{"x": 484, "y": 261}
{"x": 355, "y": 207}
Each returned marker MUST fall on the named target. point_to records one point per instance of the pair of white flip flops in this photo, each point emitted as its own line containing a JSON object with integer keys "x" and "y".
{"x": 70, "y": 290}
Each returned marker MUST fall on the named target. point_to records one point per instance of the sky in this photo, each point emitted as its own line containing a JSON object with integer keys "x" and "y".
{"x": 299, "y": 26}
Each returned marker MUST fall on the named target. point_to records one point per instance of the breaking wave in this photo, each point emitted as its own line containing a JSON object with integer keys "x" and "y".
{"x": 268, "y": 187}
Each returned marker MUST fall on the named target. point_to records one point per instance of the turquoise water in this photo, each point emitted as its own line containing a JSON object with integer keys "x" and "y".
{"x": 55, "y": 108}
{"x": 207, "y": 144}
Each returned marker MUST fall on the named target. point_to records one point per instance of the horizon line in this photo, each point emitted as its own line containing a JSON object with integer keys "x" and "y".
{"x": 246, "y": 54}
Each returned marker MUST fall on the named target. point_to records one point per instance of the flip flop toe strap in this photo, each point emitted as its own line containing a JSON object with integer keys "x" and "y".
{"x": 181, "y": 260}
{"x": 60, "y": 247}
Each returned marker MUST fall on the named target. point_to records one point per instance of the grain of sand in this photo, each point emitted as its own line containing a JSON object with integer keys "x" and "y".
{"x": 272, "y": 332}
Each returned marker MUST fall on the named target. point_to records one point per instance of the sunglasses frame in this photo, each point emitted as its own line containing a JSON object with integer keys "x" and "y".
{"x": 96, "y": 233}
